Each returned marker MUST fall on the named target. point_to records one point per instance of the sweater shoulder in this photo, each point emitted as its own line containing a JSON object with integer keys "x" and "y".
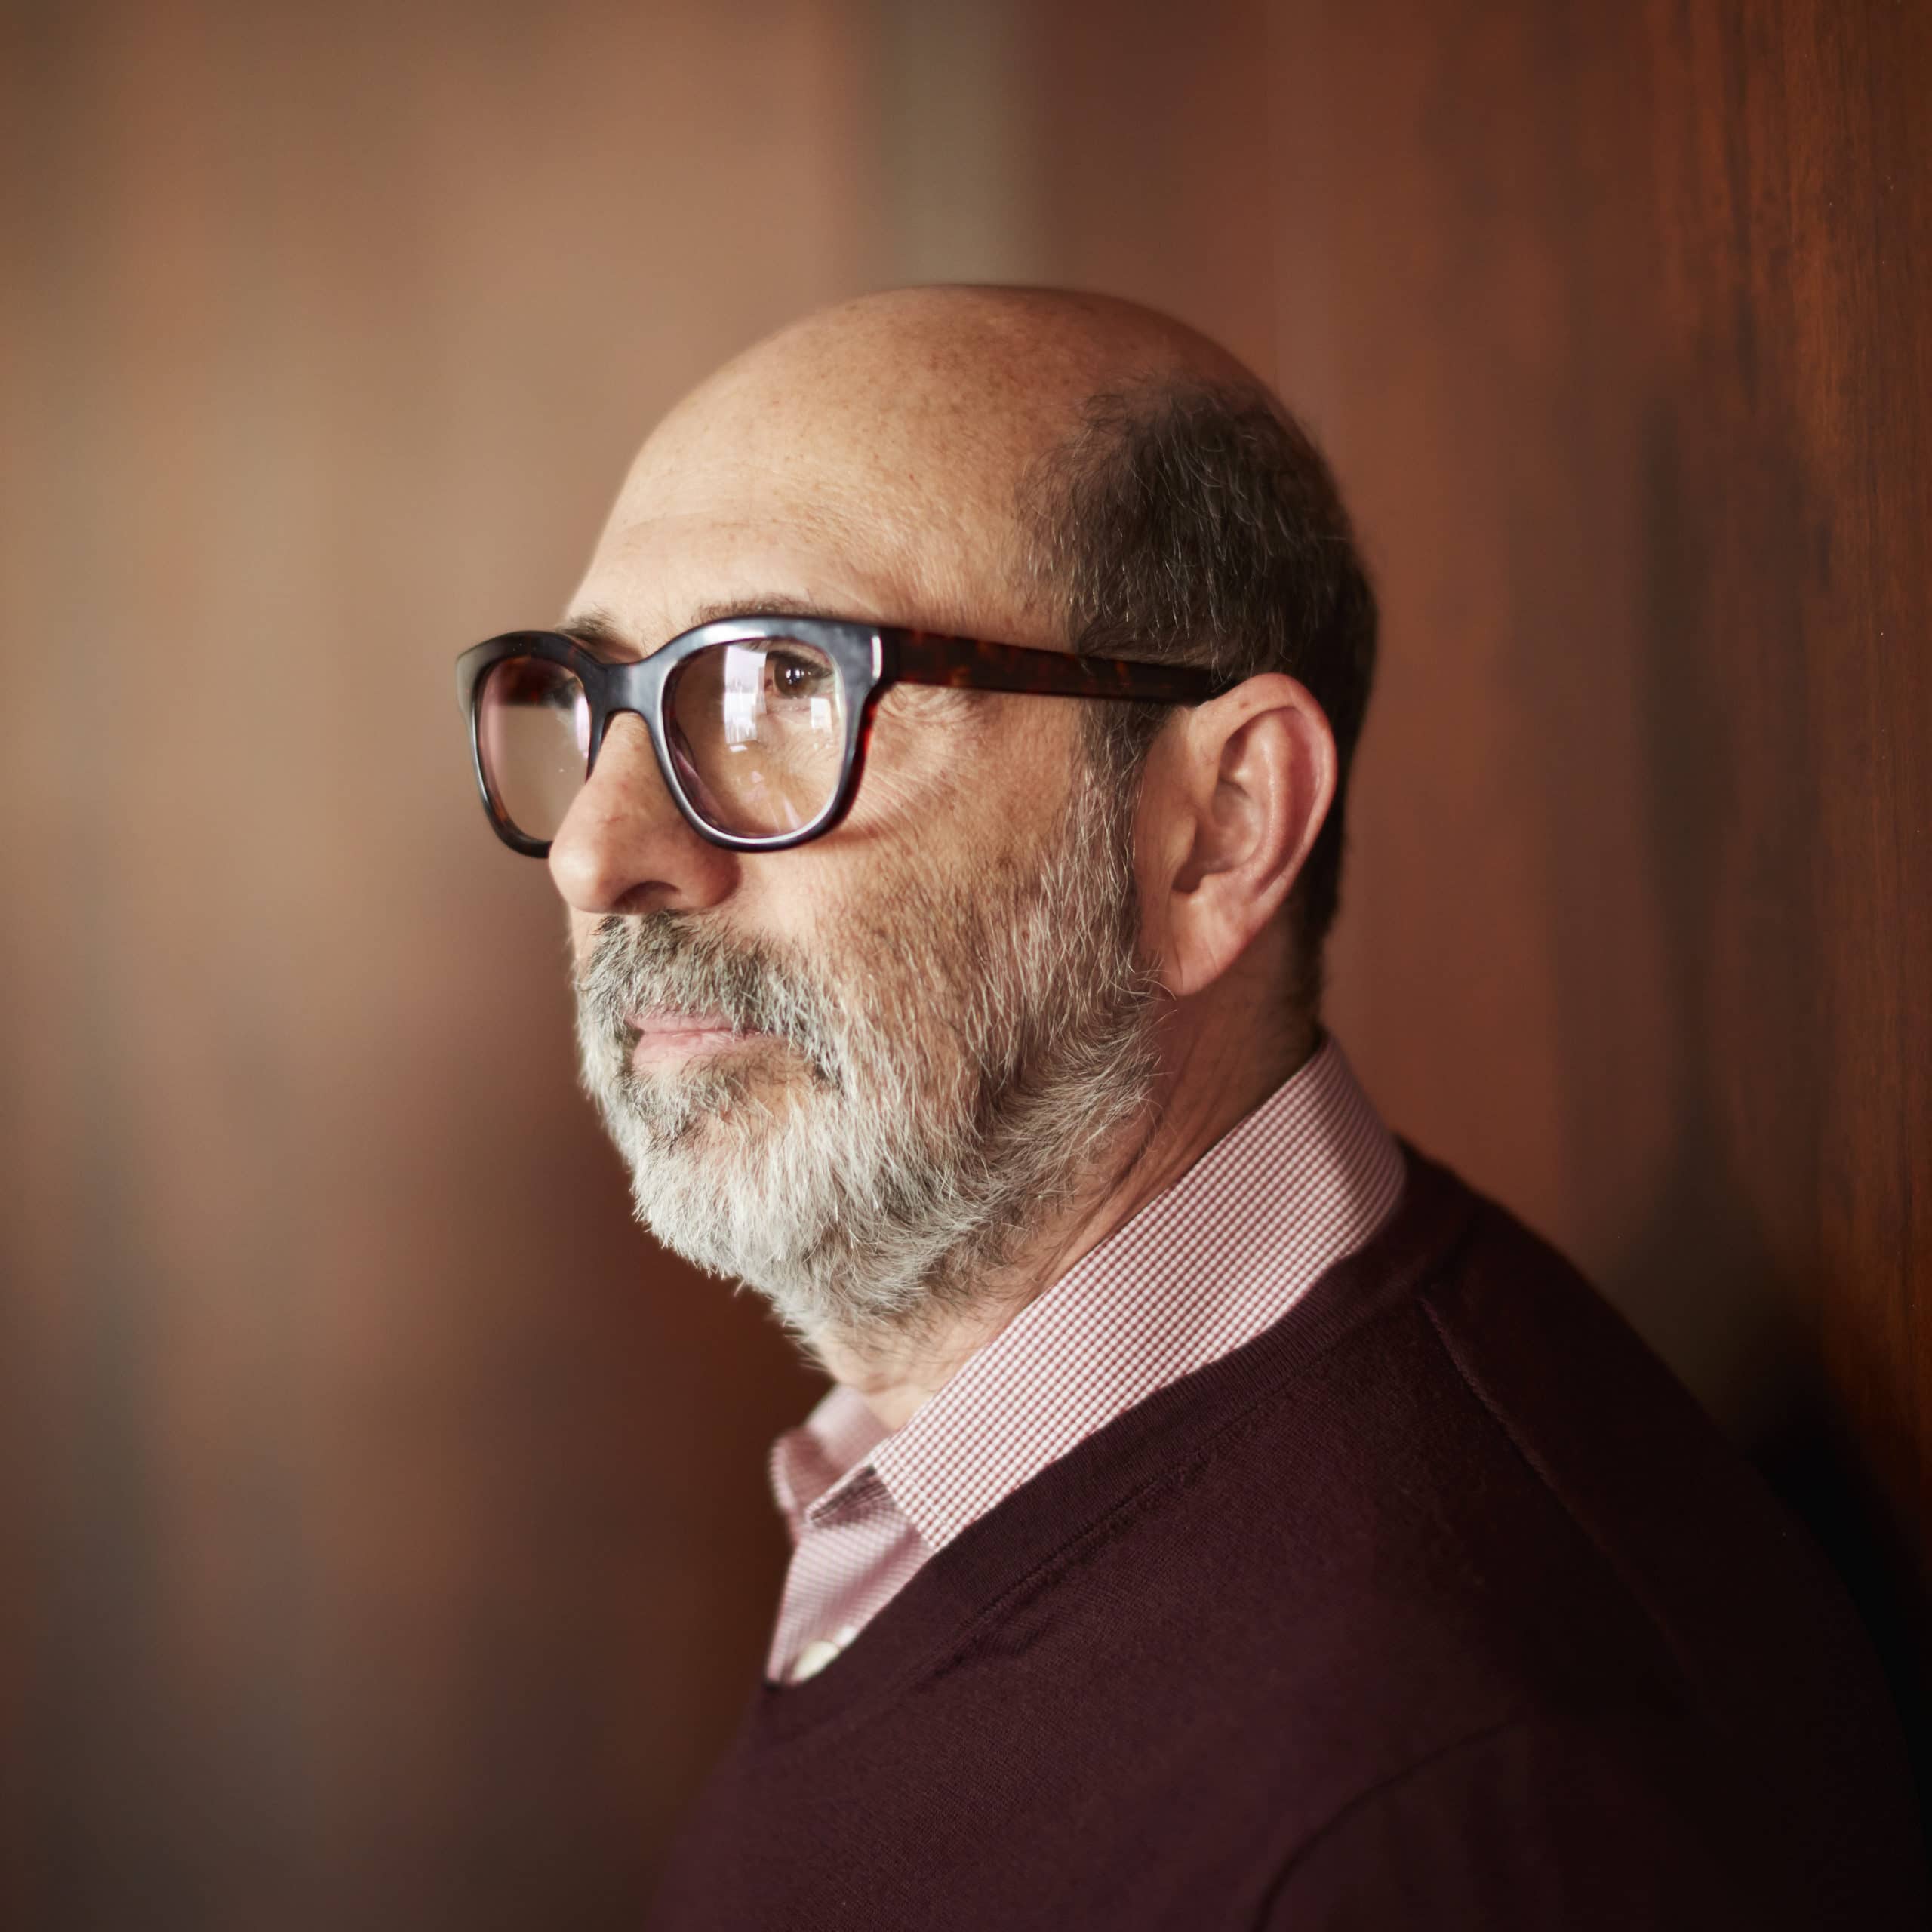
{"x": 1591, "y": 1466}
{"x": 1595, "y": 1823}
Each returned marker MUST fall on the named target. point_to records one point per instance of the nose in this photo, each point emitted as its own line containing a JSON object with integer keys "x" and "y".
{"x": 624, "y": 846}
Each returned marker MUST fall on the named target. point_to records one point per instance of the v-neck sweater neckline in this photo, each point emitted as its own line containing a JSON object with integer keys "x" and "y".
{"x": 939, "y": 1614}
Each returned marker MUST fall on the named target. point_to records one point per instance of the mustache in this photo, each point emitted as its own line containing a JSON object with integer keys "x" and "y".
{"x": 674, "y": 962}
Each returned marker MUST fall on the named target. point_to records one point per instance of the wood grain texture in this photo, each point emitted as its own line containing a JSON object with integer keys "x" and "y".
{"x": 393, "y": 1529}
{"x": 387, "y": 1520}
{"x": 1793, "y": 461}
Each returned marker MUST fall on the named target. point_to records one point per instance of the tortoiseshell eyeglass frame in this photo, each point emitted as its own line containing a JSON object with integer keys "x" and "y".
{"x": 869, "y": 659}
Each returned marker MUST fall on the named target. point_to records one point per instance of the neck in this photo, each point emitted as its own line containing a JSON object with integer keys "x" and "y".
{"x": 1208, "y": 1085}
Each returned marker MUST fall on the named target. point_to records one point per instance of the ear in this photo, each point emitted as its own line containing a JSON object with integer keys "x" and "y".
{"x": 1229, "y": 808}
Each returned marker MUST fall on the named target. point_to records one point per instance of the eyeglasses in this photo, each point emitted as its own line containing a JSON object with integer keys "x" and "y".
{"x": 759, "y": 723}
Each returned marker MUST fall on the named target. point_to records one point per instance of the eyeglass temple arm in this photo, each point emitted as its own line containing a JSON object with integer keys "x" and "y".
{"x": 928, "y": 657}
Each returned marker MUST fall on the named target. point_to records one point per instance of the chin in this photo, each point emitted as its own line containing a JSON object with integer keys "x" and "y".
{"x": 783, "y": 1203}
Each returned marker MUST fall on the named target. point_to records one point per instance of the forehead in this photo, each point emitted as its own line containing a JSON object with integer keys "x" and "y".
{"x": 881, "y": 498}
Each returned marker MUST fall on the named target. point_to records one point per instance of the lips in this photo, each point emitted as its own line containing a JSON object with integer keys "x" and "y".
{"x": 665, "y": 1038}
{"x": 659, "y": 1023}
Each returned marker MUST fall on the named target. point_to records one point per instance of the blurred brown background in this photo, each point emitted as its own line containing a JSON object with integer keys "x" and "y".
{"x": 384, "y": 1536}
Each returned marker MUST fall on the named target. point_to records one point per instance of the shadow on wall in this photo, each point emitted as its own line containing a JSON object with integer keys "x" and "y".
{"x": 1731, "y": 1247}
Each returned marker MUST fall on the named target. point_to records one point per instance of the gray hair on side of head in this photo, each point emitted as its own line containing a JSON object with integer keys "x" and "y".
{"x": 1196, "y": 522}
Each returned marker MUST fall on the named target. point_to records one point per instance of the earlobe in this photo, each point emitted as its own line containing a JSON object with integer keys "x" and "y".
{"x": 1244, "y": 794}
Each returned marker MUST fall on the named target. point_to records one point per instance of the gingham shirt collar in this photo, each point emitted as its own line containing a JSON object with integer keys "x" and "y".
{"x": 1303, "y": 1181}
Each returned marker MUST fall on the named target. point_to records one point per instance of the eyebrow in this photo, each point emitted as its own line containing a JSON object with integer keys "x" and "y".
{"x": 597, "y": 625}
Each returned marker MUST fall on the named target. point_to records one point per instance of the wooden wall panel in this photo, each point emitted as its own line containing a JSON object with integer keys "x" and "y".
{"x": 1793, "y": 468}
{"x": 389, "y": 1545}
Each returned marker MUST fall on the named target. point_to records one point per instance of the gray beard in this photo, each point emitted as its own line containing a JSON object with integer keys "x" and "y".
{"x": 927, "y": 1101}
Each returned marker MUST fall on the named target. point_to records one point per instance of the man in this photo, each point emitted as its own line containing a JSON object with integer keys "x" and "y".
{"x": 1222, "y": 1516}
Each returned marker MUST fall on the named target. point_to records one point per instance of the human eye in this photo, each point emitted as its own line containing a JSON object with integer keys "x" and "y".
{"x": 793, "y": 676}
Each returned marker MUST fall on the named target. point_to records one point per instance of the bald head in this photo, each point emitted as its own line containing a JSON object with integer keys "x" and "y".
{"x": 1010, "y": 366}
{"x": 901, "y": 429}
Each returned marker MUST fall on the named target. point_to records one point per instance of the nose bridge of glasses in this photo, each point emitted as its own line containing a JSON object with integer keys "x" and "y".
{"x": 628, "y": 687}
{"x": 629, "y": 790}
{"x": 624, "y": 728}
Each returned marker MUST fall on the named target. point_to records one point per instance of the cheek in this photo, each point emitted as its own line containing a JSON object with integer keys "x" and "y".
{"x": 922, "y": 742}
{"x": 954, "y": 774}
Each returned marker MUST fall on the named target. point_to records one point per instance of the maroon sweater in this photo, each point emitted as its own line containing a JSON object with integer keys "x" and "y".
{"x": 1439, "y": 1604}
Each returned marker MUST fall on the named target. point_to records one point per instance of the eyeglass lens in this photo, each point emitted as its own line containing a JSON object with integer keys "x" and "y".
{"x": 533, "y": 731}
{"x": 757, "y": 732}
